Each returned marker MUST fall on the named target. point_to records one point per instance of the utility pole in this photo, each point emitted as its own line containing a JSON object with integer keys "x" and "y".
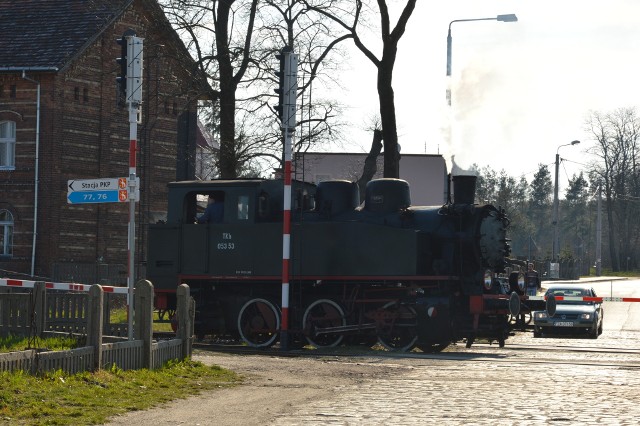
{"x": 599, "y": 234}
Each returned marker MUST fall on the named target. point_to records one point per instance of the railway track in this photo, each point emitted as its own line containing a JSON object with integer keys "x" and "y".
{"x": 514, "y": 353}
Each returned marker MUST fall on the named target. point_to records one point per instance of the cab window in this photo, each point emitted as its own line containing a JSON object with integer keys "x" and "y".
{"x": 243, "y": 207}
{"x": 207, "y": 207}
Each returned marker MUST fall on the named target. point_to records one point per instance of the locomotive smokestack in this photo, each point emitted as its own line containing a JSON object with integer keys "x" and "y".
{"x": 464, "y": 189}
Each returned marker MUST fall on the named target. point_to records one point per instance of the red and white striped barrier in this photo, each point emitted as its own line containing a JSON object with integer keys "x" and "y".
{"x": 7, "y": 282}
{"x": 588, "y": 299}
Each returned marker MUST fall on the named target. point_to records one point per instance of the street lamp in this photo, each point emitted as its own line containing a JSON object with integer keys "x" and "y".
{"x": 556, "y": 233}
{"x": 502, "y": 18}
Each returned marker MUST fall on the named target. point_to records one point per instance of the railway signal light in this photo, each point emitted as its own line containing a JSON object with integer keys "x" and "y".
{"x": 129, "y": 78}
{"x": 287, "y": 87}
{"x": 121, "y": 79}
{"x": 281, "y": 86}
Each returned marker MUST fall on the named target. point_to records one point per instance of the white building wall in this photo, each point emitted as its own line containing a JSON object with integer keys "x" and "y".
{"x": 426, "y": 173}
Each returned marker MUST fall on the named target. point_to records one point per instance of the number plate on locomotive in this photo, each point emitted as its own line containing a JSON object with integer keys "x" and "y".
{"x": 564, "y": 324}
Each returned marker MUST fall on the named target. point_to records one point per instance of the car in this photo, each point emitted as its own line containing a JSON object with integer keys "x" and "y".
{"x": 573, "y": 315}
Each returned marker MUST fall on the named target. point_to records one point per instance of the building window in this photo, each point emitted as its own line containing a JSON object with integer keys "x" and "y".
{"x": 76, "y": 93}
{"x": 7, "y": 145}
{"x": 6, "y": 233}
{"x": 85, "y": 94}
{"x": 12, "y": 91}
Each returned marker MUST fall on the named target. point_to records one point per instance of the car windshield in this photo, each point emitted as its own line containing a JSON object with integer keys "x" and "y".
{"x": 570, "y": 292}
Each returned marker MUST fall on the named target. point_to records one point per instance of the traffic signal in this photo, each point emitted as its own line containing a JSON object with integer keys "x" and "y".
{"x": 123, "y": 61}
{"x": 282, "y": 57}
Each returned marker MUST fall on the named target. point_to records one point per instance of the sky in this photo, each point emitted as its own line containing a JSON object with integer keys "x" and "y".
{"x": 520, "y": 89}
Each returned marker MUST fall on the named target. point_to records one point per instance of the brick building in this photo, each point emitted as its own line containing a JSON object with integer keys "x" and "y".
{"x": 60, "y": 120}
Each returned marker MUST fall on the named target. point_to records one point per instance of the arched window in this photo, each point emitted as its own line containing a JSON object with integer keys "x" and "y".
{"x": 7, "y": 145}
{"x": 6, "y": 233}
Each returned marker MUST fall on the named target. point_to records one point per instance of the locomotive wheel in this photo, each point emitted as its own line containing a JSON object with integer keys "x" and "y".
{"x": 321, "y": 314}
{"x": 398, "y": 329}
{"x": 433, "y": 348}
{"x": 259, "y": 323}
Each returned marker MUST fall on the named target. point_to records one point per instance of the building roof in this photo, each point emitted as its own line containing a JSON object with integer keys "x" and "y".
{"x": 48, "y": 34}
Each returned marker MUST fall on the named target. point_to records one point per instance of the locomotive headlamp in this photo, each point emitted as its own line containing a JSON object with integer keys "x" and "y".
{"x": 585, "y": 316}
{"x": 488, "y": 279}
{"x": 521, "y": 282}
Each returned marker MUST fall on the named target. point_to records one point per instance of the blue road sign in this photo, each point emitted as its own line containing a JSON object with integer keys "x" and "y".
{"x": 82, "y": 197}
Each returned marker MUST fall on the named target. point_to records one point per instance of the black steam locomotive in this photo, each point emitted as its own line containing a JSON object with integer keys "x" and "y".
{"x": 384, "y": 271}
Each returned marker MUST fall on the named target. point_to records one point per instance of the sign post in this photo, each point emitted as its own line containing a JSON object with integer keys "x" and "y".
{"x": 107, "y": 190}
{"x": 130, "y": 85}
{"x": 134, "y": 101}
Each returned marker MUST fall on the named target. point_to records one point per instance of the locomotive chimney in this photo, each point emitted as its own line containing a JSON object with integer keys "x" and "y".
{"x": 464, "y": 189}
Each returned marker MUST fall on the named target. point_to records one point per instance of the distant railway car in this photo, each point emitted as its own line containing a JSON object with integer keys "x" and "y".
{"x": 384, "y": 271}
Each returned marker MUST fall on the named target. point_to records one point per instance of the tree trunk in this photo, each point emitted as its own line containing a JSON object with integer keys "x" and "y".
{"x": 388, "y": 112}
{"x": 228, "y": 160}
{"x": 370, "y": 163}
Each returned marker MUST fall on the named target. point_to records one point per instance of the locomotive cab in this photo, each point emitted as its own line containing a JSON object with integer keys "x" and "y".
{"x": 252, "y": 213}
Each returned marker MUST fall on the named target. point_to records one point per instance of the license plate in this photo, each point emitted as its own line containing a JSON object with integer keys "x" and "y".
{"x": 564, "y": 324}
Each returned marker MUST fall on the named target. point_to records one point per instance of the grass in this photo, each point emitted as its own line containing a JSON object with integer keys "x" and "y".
{"x": 20, "y": 343}
{"x": 56, "y": 398}
{"x": 91, "y": 398}
{"x": 119, "y": 316}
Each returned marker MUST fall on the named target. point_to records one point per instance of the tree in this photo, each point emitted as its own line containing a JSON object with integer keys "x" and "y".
{"x": 288, "y": 23}
{"x": 384, "y": 64}
{"x": 510, "y": 194}
{"x": 616, "y": 134}
{"x": 540, "y": 194}
{"x": 226, "y": 60}
{"x": 575, "y": 221}
{"x": 235, "y": 42}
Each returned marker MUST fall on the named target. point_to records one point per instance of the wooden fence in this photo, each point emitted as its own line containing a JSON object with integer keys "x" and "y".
{"x": 27, "y": 314}
{"x": 25, "y": 311}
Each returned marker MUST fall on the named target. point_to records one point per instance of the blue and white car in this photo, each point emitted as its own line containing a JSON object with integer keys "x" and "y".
{"x": 574, "y": 314}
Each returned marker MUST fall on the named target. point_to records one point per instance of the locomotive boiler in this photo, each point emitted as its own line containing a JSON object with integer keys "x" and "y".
{"x": 381, "y": 271}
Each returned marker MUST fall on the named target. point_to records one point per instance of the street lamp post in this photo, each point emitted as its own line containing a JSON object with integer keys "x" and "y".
{"x": 556, "y": 233}
{"x": 502, "y": 18}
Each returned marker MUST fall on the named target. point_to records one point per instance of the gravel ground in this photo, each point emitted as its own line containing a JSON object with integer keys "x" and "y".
{"x": 273, "y": 386}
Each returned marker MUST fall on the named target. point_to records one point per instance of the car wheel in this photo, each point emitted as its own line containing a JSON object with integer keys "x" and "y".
{"x": 600, "y": 326}
{"x": 594, "y": 331}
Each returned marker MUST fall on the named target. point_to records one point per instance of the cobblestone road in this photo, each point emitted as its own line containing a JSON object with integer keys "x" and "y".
{"x": 573, "y": 381}
{"x": 531, "y": 381}
{"x": 488, "y": 386}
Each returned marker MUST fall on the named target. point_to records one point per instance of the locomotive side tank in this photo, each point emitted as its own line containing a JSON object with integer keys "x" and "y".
{"x": 405, "y": 276}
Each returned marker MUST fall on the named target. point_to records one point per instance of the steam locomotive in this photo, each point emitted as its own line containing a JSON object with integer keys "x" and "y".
{"x": 382, "y": 271}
